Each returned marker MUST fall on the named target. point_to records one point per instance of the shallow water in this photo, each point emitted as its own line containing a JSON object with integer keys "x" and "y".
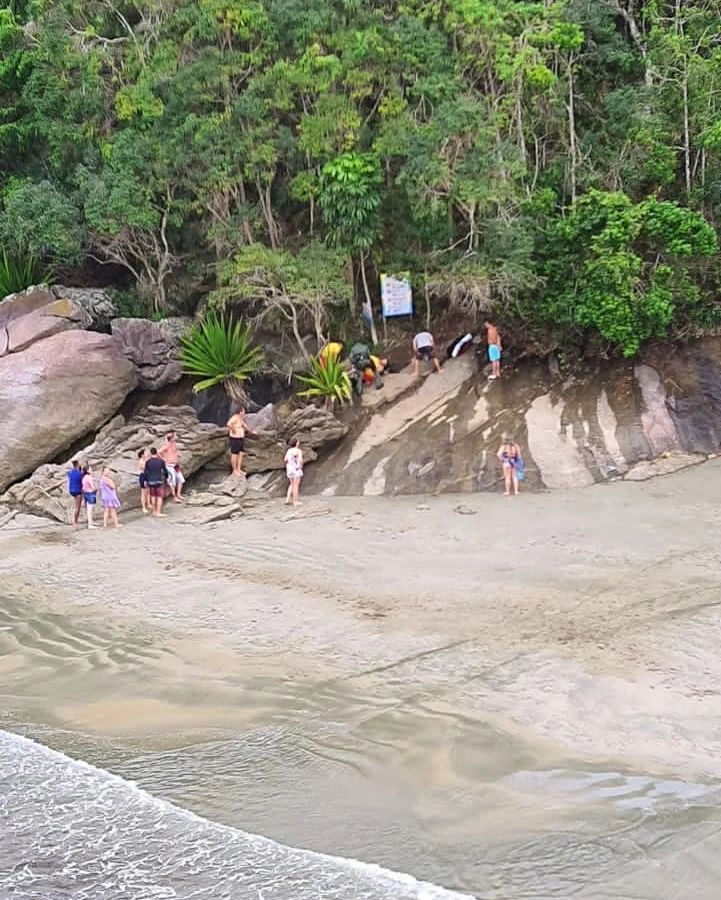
{"x": 409, "y": 769}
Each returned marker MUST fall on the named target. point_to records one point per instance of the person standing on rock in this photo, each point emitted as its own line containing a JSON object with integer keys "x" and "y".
{"x": 156, "y": 473}
{"x": 424, "y": 350}
{"x": 109, "y": 498}
{"x": 294, "y": 471}
{"x": 509, "y": 455}
{"x": 170, "y": 454}
{"x": 494, "y": 349}
{"x": 89, "y": 494}
{"x": 75, "y": 489}
{"x": 237, "y": 429}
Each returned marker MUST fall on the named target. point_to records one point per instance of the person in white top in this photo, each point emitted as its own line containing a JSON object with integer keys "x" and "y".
{"x": 424, "y": 350}
{"x": 294, "y": 471}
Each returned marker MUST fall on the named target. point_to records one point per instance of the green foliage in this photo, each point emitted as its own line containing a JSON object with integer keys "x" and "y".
{"x": 220, "y": 351}
{"x": 40, "y": 220}
{"x": 260, "y": 146}
{"x": 350, "y": 199}
{"x": 20, "y": 272}
{"x": 616, "y": 268}
{"x": 327, "y": 380}
{"x": 128, "y": 304}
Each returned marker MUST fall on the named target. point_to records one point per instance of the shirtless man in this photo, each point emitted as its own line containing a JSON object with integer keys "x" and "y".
{"x": 170, "y": 455}
{"x": 494, "y": 349}
{"x": 237, "y": 429}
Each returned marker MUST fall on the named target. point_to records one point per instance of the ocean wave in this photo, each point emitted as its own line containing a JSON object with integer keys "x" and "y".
{"x": 71, "y": 829}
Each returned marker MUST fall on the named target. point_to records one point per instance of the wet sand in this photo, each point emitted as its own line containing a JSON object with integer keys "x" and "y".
{"x": 514, "y": 636}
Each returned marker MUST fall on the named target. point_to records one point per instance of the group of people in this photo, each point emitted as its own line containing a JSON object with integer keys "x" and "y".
{"x": 84, "y": 491}
{"x": 366, "y": 367}
{"x": 159, "y": 476}
{"x": 424, "y": 349}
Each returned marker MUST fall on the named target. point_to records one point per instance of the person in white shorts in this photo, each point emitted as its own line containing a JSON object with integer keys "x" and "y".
{"x": 170, "y": 454}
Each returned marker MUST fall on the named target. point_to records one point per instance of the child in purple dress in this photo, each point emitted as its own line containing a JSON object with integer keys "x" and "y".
{"x": 109, "y": 498}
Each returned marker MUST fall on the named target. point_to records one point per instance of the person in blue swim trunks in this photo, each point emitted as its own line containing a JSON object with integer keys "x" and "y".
{"x": 493, "y": 338}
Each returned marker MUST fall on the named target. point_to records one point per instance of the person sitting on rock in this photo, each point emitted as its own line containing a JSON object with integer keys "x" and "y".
{"x": 424, "y": 349}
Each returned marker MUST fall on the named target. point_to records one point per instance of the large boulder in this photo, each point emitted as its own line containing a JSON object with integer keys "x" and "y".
{"x": 54, "y": 317}
{"x": 619, "y": 419}
{"x": 265, "y": 451}
{"x": 153, "y": 347}
{"x": 96, "y": 302}
{"x": 316, "y": 427}
{"x": 117, "y": 446}
{"x": 36, "y": 314}
{"x": 55, "y": 392}
{"x": 84, "y": 307}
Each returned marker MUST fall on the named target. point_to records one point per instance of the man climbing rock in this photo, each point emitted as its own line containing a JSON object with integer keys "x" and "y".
{"x": 424, "y": 350}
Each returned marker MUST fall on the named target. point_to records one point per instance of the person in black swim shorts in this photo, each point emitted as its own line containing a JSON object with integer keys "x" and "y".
{"x": 237, "y": 430}
{"x": 156, "y": 473}
{"x": 424, "y": 351}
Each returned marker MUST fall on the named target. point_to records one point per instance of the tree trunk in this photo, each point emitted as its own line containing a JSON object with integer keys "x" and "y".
{"x": 236, "y": 391}
{"x": 247, "y": 231}
{"x": 629, "y": 17}
{"x": 371, "y": 321}
{"x": 572, "y": 142}
{"x": 686, "y": 129}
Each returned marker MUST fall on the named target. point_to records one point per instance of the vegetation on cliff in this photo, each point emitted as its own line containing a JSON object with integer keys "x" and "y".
{"x": 560, "y": 160}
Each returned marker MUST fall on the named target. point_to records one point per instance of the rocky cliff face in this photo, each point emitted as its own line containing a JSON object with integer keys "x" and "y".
{"x": 624, "y": 420}
{"x": 62, "y": 380}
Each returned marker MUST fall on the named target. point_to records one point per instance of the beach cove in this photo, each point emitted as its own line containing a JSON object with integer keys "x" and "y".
{"x": 505, "y": 697}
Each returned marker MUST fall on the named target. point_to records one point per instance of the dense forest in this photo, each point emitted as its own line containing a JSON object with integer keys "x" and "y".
{"x": 555, "y": 161}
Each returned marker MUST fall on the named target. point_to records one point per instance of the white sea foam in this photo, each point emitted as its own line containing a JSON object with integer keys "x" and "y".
{"x": 70, "y": 829}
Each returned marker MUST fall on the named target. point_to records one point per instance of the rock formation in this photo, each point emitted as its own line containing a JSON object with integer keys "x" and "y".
{"x": 265, "y": 451}
{"x": 622, "y": 420}
{"x": 88, "y": 308}
{"x": 117, "y": 446}
{"x": 53, "y": 393}
{"x": 153, "y": 347}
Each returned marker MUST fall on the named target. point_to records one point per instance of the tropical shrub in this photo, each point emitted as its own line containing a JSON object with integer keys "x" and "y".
{"x": 621, "y": 271}
{"x": 328, "y": 380}
{"x": 18, "y": 272}
{"x": 220, "y": 351}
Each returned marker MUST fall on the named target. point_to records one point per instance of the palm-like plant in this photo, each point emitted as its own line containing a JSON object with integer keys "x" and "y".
{"x": 220, "y": 351}
{"x": 327, "y": 379}
{"x": 19, "y": 272}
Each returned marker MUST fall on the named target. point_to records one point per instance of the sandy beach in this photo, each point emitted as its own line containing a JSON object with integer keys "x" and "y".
{"x": 579, "y": 626}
